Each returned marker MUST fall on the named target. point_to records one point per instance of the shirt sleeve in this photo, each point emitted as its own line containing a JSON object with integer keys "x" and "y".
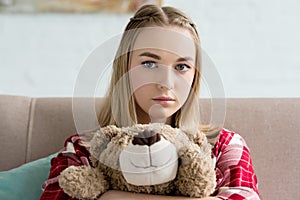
{"x": 236, "y": 179}
{"x": 74, "y": 153}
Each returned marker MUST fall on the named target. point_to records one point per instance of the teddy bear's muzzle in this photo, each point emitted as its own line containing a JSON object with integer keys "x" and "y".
{"x": 149, "y": 161}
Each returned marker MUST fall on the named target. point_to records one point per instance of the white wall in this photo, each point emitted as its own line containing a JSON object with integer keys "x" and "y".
{"x": 254, "y": 44}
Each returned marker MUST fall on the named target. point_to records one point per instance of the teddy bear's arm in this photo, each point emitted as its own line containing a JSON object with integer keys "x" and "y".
{"x": 83, "y": 182}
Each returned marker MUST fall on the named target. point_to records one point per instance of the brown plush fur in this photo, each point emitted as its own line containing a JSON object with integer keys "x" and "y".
{"x": 195, "y": 177}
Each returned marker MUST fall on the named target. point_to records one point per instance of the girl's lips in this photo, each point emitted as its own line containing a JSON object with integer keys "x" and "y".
{"x": 163, "y": 100}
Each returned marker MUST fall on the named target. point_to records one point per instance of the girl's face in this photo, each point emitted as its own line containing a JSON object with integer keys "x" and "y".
{"x": 162, "y": 72}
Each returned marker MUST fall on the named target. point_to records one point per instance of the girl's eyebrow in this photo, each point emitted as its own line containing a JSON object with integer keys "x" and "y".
{"x": 185, "y": 59}
{"x": 157, "y": 57}
{"x": 152, "y": 55}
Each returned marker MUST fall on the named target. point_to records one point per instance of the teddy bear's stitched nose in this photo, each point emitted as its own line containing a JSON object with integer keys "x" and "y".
{"x": 146, "y": 138}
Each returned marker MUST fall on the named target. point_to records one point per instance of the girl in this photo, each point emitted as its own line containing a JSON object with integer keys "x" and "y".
{"x": 156, "y": 78}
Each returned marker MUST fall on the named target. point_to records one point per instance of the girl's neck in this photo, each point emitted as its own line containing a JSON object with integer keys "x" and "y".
{"x": 144, "y": 118}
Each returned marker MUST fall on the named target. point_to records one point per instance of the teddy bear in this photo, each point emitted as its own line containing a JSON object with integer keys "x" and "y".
{"x": 144, "y": 158}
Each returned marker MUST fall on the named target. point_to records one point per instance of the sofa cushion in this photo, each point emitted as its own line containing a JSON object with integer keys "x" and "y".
{"x": 25, "y": 182}
{"x": 270, "y": 127}
{"x": 55, "y": 119}
{"x": 14, "y": 119}
{"x": 50, "y": 124}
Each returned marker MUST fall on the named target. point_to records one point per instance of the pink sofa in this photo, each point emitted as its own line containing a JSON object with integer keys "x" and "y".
{"x": 32, "y": 128}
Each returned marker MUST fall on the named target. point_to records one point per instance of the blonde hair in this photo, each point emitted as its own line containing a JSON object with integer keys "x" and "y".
{"x": 119, "y": 106}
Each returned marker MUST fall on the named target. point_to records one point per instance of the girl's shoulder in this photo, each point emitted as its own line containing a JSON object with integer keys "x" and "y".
{"x": 227, "y": 138}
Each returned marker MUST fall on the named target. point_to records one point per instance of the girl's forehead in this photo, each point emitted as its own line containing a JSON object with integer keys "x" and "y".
{"x": 172, "y": 39}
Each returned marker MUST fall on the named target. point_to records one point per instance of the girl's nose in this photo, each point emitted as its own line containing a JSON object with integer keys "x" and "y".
{"x": 166, "y": 78}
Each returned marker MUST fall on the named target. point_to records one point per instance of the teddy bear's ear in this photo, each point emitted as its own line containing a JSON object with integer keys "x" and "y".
{"x": 200, "y": 138}
{"x": 110, "y": 131}
{"x": 101, "y": 138}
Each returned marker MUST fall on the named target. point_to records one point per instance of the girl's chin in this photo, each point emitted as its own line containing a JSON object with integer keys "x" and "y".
{"x": 160, "y": 114}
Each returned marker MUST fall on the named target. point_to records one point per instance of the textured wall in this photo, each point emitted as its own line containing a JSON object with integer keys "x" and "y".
{"x": 254, "y": 44}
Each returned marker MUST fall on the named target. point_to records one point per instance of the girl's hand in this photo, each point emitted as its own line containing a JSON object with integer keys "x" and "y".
{"x": 116, "y": 195}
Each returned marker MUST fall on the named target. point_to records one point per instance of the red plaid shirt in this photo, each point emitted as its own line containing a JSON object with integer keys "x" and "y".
{"x": 236, "y": 179}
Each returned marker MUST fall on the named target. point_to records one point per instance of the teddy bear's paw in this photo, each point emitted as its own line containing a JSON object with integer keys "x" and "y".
{"x": 83, "y": 182}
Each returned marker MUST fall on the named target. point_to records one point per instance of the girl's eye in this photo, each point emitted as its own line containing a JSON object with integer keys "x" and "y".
{"x": 182, "y": 67}
{"x": 149, "y": 64}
